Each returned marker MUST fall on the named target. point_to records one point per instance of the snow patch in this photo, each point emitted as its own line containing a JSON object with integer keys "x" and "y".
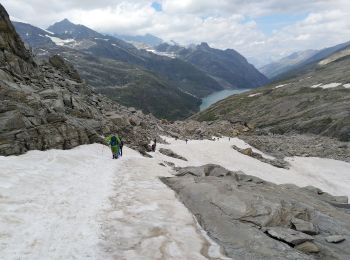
{"x": 331, "y": 85}
{"x": 48, "y": 31}
{"x": 59, "y": 41}
{"x": 329, "y": 175}
{"x": 280, "y": 86}
{"x": 171, "y": 55}
{"x": 255, "y": 94}
{"x": 102, "y": 39}
{"x": 81, "y": 204}
{"x": 315, "y": 86}
{"x": 326, "y": 86}
{"x": 346, "y": 85}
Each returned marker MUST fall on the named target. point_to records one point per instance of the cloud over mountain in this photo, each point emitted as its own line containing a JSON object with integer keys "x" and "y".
{"x": 222, "y": 23}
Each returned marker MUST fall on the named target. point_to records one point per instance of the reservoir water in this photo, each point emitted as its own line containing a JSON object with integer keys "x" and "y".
{"x": 217, "y": 96}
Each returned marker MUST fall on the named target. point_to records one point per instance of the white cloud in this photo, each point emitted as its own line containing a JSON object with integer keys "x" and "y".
{"x": 221, "y": 23}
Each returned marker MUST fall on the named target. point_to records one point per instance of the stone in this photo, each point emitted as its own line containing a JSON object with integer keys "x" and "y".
{"x": 304, "y": 226}
{"x": 335, "y": 239}
{"x": 288, "y": 235}
{"x": 49, "y": 94}
{"x": 247, "y": 151}
{"x": 170, "y": 153}
{"x": 308, "y": 248}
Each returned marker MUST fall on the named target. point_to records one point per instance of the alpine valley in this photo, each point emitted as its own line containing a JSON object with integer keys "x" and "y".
{"x": 104, "y": 153}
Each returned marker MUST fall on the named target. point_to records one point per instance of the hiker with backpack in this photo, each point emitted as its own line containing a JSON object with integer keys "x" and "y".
{"x": 114, "y": 141}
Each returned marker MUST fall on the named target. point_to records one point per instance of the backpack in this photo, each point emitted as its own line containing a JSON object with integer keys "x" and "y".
{"x": 114, "y": 141}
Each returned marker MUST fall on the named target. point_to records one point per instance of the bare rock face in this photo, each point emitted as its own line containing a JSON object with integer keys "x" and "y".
{"x": 64, "y": 67}
{"x": 255, "y": 219}
{"x": 13, "y": 55}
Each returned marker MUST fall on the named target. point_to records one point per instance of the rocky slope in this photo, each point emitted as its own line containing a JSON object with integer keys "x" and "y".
{"x": 255, "y": 219}
{"x": 147, "y": 40}
{"x": 316, "y": 102}
{"x": 47, "y": 106}
{"x": 305, "y": 63}
{"x": 120, "y": 70}
{"x": 287, "y": 63}
{"x": 229, "y": 68}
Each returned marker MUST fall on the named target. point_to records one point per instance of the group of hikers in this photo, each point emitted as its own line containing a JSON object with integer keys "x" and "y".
{"x": 116, "y": 143}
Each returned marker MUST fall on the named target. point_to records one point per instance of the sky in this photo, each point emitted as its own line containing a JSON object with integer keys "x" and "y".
{"x": 262, "y": 30}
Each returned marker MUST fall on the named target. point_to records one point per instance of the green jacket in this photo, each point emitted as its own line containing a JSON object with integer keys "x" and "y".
{"x": 108, "y": 140}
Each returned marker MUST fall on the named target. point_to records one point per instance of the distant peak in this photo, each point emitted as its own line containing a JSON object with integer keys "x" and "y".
{"x": 66, "y": 21}
{"x": 204, "y": 45}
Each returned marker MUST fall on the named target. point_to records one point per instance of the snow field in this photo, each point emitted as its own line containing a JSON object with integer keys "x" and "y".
{"x": 81, "y": 204}
{"x": 329, "y": 175}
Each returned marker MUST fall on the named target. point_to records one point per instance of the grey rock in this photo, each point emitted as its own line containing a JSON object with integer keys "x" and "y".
{"x": 308, "y": 247}
{"x": 304, "y": 226}
{"x": 170, "y": 153}
{"x": 279, "y": 163}
{"x": 335, "y": 239}
{"x": 288, "y": 235}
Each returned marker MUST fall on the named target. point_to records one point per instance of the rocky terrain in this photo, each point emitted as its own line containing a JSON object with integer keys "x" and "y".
{"x": 289, "y": 145}
{"x": 255, "y": 219}
{"x": 45, "y": 106}
{"x": 317, "y": 102}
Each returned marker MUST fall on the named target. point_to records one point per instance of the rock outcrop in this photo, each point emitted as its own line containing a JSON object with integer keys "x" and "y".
{"x": 170, "y": 153}
{"x": 255, "y": 219}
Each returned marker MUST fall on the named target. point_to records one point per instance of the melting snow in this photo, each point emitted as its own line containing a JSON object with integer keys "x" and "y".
{"x": 81, "y": 204}
{"x": 47, "y": 31}
{"x": 315, "y": 86}
{"x": 59, "y": 41}
{"x": 101, "y": 39}
{"x": 329, "y": 175}
{"x": 326, "y": 86}
{"x": 255, "y": 94}
{"x": 280, "y": 86}
{"x": 171, "y": 55}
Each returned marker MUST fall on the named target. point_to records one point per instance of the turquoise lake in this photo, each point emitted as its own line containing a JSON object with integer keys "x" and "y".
{"x": 217, "y": 96}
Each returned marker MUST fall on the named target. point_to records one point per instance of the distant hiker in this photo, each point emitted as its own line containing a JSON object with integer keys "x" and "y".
{"x": 114, "y": 141}
{"x": 121, "y": 147}
{"x": 154, "y": 145}
{"x": 186, "y": 141}
{"x": 229, "y": 139}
